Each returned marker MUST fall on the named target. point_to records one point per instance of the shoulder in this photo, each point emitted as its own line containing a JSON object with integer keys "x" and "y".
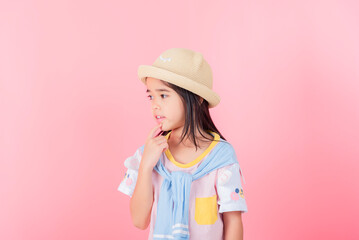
{"x": 133, "y": 162}
{"x": 140, "y": 149}
{"x": 228, "y": 152}
{"x": 225, "y": 148}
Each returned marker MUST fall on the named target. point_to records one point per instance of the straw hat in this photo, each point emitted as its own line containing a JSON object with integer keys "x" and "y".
{"x": 184, "y": 68}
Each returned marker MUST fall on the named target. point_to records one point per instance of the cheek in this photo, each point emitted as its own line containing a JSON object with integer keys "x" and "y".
{"x": 176, "y": 110}
{"x": 180, "y": 114}
{"x": 180, "y": 110}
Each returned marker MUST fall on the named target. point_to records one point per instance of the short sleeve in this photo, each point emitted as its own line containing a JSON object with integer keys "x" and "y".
{"x": 230, "y": 190}
{"x": 128, "y": 183}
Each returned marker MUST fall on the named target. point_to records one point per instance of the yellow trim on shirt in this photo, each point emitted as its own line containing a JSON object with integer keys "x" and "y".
{"x": 199, "y": 158}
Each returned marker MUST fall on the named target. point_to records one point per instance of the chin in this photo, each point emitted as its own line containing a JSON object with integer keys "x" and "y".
{"x": 165, "y": 129}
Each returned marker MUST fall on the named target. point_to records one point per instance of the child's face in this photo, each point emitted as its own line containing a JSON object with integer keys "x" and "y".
{"x": 166, "y": 103}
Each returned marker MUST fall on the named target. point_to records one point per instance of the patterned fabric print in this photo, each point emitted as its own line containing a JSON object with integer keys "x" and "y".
{"x": 236, "y": 194}
{"x": 224, "y": 177}
{"x": 128, "y": 179}
{"x": 132, "y": 164}
{"x": 229, "y": 189}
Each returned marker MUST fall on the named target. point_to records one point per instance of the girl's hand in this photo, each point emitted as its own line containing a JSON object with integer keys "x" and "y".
{"x": 154, "y": 147}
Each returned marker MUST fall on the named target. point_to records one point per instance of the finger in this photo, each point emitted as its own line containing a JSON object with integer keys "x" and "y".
{"x": 164, "y": 146}
{"x": 160, "y": 139}
{"x": 153, "y": 130}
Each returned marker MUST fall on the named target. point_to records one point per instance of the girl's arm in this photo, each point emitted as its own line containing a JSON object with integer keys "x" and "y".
{"x": 142, "y": 199}
{"x": 233, "y": 227}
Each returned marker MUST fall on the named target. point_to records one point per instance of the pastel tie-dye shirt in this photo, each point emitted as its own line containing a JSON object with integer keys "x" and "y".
{"x": 217, "y": 192}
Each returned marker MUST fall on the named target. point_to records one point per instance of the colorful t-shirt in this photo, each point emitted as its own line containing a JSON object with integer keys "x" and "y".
{"x": 217, "y": 192}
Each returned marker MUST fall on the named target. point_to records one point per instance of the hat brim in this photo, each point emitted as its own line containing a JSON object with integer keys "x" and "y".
{"x": 150, "y": 71}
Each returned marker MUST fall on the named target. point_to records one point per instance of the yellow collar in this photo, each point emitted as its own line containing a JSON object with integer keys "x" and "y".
{"x": 198, "y": 159}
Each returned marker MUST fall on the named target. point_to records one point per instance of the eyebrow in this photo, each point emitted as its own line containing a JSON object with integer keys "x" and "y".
{"x": 158, "y": 90}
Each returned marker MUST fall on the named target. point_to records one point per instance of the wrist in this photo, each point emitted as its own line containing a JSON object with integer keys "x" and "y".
{"x": 144, "y": 168}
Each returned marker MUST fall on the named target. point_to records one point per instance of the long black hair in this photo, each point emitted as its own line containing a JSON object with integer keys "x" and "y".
{"x": 197, "y": 115}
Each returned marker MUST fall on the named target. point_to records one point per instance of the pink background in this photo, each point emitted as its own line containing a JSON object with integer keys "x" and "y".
{"x": 72, "y": 109}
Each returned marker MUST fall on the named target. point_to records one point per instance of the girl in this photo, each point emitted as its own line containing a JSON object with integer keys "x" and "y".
{"x": 185, "y": 180}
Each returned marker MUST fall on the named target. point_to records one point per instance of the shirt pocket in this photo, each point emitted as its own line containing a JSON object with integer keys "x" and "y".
{"x": 206, "y": 210}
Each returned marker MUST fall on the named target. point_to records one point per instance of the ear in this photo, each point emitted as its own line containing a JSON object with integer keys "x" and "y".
{"x": 200, "y": 100}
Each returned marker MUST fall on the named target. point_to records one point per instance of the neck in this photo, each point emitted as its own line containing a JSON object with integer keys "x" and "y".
{"x": 175, "y": 137}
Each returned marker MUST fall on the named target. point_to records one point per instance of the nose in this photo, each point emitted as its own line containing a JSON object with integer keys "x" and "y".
{"x": 155, "y": 105}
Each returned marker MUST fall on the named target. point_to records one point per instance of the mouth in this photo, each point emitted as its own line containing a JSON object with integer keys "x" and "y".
{"x": 159, "y": 118}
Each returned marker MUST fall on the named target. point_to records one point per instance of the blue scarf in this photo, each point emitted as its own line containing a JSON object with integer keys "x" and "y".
{"x": 173, "y": 203}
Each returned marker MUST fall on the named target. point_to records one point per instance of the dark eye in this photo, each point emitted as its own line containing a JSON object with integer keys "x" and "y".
{"x": 164, "y": 95}
{"x": 150, "y": 97}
